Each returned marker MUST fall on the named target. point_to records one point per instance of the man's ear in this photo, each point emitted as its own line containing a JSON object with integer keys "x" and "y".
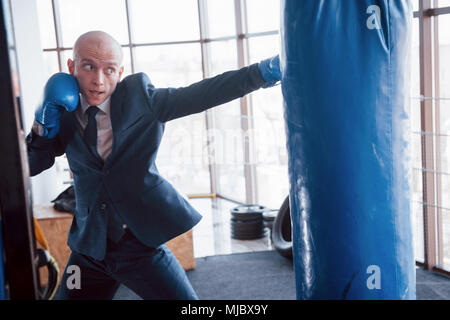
{"x": 71, "y": 65}
{"x": 120, "y": 72}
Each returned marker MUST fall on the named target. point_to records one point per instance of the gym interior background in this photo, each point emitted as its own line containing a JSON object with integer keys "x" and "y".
{"x": 235, "y": 153}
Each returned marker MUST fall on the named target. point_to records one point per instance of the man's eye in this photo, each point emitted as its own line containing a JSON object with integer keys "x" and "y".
{"x": 88, "y": 67}
{"x": 110, "y": 71}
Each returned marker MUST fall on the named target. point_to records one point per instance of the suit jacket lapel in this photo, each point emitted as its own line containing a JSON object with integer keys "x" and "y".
{"x": 122, "y": 116}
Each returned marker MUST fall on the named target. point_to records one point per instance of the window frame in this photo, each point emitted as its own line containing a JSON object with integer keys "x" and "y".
{"x": 428, "y": 14}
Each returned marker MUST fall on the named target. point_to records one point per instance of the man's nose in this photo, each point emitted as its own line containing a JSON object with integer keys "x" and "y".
{"x": 99, "y": 78}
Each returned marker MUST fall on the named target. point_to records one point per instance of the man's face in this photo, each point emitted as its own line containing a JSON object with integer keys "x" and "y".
{"x": 97, "y": 70}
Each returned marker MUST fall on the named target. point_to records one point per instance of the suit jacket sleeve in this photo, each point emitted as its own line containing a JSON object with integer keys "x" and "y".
{"x": 172, "y": 103}
{"x": 42, "y": 152}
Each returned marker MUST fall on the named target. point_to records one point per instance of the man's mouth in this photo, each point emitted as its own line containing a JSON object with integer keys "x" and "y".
{"x": 96, "y": 93}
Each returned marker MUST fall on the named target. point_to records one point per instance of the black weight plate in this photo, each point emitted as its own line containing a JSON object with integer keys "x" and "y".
{"x": 253, "y": 230}
{"x": 251, "y": 208}
{"x": 248, "y": 211}
{"x": 270, "y": 215}
{"x": 245, "y": 238}
{"x": 246, "y": 219}
{"x": 247, "y": 232}
{"x": 247, "y": 216}
{"x": 248, "y": 237}
{"x": 246, "y": 224}
{"x": 247, "y": 228}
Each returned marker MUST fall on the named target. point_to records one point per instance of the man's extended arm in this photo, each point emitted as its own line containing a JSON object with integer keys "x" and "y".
{"x": 172, "y": 103}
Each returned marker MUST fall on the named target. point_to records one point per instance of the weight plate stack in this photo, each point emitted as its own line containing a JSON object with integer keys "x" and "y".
{"x": 247, "y": 222}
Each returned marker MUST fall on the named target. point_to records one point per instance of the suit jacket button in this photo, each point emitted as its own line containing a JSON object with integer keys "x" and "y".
{"x": 103, "y": 206}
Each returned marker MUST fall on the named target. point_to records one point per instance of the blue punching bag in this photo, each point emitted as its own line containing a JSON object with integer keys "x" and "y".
{"x": 345, "y": 84}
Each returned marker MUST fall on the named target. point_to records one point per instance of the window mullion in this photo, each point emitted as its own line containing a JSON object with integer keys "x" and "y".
{"x": 58, "y": 32}
{"x": 246, "y": 107}
{"x": 426, "y": 114}
{"x": 130, "y": 36}
{"x": 437, "y": 143}
{"x": 209, "y": 114}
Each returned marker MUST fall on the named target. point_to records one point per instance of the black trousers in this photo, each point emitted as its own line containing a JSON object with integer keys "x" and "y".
{"x": 152, "y": 273}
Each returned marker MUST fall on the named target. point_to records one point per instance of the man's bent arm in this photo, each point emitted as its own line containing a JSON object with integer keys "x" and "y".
{"x": 42, "y": 152}
{"x": 172, "y": 103}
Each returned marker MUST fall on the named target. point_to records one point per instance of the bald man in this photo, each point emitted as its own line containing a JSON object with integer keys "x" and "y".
{"x": 110, "y": 130}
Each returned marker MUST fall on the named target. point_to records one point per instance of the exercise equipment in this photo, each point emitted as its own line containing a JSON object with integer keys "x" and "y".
{"x": 281, "y": 234}
{"x": 247, "y": 222}
{"x": 345, "y": 82}
{"x": 44, "y": 259}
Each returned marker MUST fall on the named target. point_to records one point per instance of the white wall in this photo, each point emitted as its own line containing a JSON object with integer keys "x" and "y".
{"x": 47, "y": 185}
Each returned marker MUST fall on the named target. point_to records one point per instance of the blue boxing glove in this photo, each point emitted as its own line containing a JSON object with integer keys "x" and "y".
{"x": 61, "y": 91}
{"x": 270, "y": 71}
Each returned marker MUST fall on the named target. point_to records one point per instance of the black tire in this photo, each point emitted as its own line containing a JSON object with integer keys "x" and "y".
{"x": 281, "y": 234}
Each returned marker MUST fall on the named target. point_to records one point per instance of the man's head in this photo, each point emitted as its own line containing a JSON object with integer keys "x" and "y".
{"x": 97, "y": 65}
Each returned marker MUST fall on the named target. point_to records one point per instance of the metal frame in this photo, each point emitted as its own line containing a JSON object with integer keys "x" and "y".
{"x": 437, "y": 139}
{"x": 245, "y": 102}
{"x": 130, "y": 36}
{"x": 426, "y": 111}
{"x": 19, "y": 245}
{"x": 209, "y": 114}
{"x": 434, "y": 269}
{"x": 58, "y": 37}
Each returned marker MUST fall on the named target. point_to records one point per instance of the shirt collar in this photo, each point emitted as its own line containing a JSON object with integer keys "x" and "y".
{"x": 104, "y": 106}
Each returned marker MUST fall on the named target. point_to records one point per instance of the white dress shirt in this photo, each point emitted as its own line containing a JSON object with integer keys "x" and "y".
{"x": 104, "y": 128}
